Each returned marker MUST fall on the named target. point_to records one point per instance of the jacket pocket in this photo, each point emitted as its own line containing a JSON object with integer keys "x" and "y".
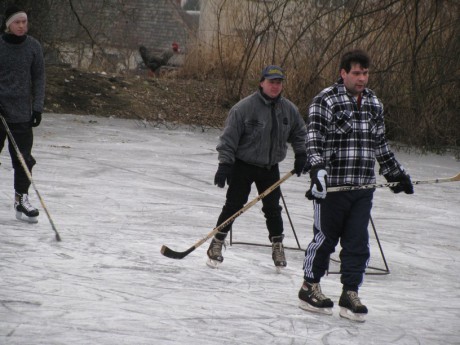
{"x": 343, "y": 122}
{"x": 376, "y": 125}
{"x": 253, "y": 129}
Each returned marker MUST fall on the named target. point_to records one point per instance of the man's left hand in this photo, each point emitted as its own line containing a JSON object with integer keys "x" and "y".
{"x": 405, "y": 184}
{"x": 300, "y": 163}
{"x": 36, "y": 118}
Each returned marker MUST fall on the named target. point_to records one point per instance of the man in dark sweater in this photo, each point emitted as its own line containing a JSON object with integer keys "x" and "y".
{"x": 22, "y": 93}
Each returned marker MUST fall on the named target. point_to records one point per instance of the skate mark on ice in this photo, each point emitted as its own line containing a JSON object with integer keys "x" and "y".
{"x": 64, "y": 256}
{"x": 7, "y": 303}
{"x": 10, "y": 243}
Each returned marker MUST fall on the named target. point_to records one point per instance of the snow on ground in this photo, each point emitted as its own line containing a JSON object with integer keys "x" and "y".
{"x": 117, "y": 191}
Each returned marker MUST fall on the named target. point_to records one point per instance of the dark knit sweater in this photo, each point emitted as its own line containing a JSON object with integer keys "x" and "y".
{"x": 22, "y": 78}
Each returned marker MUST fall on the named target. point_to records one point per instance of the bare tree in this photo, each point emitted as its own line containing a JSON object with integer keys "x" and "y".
{"x": 414, "y": 45}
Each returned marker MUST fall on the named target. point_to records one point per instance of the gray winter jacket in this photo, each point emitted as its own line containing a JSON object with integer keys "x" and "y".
{"x": 22, "y": 79}
{"x": 249, "y": 134}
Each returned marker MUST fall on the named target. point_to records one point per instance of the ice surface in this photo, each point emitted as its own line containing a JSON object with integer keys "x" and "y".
{"x": 118, "y": 190}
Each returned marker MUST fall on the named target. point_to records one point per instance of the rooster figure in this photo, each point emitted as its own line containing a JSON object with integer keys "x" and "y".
{"x": 154, "y": 63}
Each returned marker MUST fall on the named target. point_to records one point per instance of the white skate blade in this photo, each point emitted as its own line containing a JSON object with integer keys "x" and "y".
{"x": 213, "y": 263}
{"x": 348, "y": 314}
{"x": 305, "y": 306}
{"x": 279, "y": 269}
{"x": 22, "y": 217}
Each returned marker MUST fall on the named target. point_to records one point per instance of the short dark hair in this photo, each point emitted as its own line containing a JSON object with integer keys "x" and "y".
{"x": 356, "y": 56}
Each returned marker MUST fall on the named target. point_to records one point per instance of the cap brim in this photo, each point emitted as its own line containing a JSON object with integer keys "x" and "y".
{"x": 275, "y": 76}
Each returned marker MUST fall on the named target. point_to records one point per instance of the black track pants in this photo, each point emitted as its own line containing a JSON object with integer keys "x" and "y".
{"x": 341, "y": 216}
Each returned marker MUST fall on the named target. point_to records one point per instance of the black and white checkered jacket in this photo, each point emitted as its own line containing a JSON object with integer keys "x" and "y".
{"x": 347, "y": 138}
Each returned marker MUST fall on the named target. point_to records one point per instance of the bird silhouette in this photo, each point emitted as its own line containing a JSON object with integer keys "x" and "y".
{"x": 153, "y": 62}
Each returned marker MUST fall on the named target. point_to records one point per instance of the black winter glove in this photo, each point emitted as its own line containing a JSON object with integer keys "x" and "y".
{"x": 300, "y": 164}
{"x": 36, "y": 118}
{"x": 224, "y": 173}
{"x": 405, "y": 184}
{"x": 318, "y": 186}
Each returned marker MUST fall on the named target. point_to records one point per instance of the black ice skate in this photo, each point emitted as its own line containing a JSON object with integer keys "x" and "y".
{"x": 215, "y": 253}
{"x": 279, "y": 259}
{"x": 312, "y": 299}
{"x": 24, "y": 210}
{"x": 351, "y": 306}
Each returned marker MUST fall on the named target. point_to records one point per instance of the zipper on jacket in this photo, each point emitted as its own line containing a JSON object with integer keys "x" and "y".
{"x": 273, "y": 131}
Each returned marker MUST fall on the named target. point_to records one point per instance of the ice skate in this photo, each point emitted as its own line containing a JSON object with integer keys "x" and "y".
{"x": 279, "y": 259}
{"x": 312, "y": 299}
{"x": 351, "y": 307}
{"x": 214, "y": 252}
{"x": 24, "y": 210}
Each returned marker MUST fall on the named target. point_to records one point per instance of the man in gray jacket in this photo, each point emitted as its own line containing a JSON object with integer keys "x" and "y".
{"x": 254, "y": 141}
{"x": 22, "y": 94}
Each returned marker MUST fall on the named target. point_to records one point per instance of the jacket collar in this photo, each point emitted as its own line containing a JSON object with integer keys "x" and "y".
{"x": 343, "y": 90}
{"x": 13, "y": 39}
{"x": 267, "y": 100}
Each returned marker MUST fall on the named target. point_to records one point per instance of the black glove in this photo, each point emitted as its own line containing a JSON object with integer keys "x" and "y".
{"x": 318, "y": 185}
{"x": 405, "y": 184}
{"x": 300, "y": 163}
{"x": 224, "y": 173}
{"x": 36, "y": 118}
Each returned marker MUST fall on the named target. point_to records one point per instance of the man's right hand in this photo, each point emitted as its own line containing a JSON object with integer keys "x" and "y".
{"x": 318, "y": 186}
{"x": 224, "y": 174}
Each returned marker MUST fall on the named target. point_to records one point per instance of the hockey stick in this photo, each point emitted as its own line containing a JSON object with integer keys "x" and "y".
{"x": 28, "y": 173}
{"x": 180, "y": 255}
{"x": 392, "y": 184}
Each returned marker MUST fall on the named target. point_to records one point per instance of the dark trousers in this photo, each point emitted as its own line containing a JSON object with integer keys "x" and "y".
{"x": 344, "y": 216}
{"x": 244, "y": 175}
{"x": 23, "y": 136}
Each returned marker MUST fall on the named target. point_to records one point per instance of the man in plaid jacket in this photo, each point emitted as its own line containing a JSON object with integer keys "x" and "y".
{"x": 345, "y": 136}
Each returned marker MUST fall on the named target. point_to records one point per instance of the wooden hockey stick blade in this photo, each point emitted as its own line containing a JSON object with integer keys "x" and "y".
{"x": 180, "y": 255}
{"x": 392, "y": 184}
{"x": 169, "y": 253}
